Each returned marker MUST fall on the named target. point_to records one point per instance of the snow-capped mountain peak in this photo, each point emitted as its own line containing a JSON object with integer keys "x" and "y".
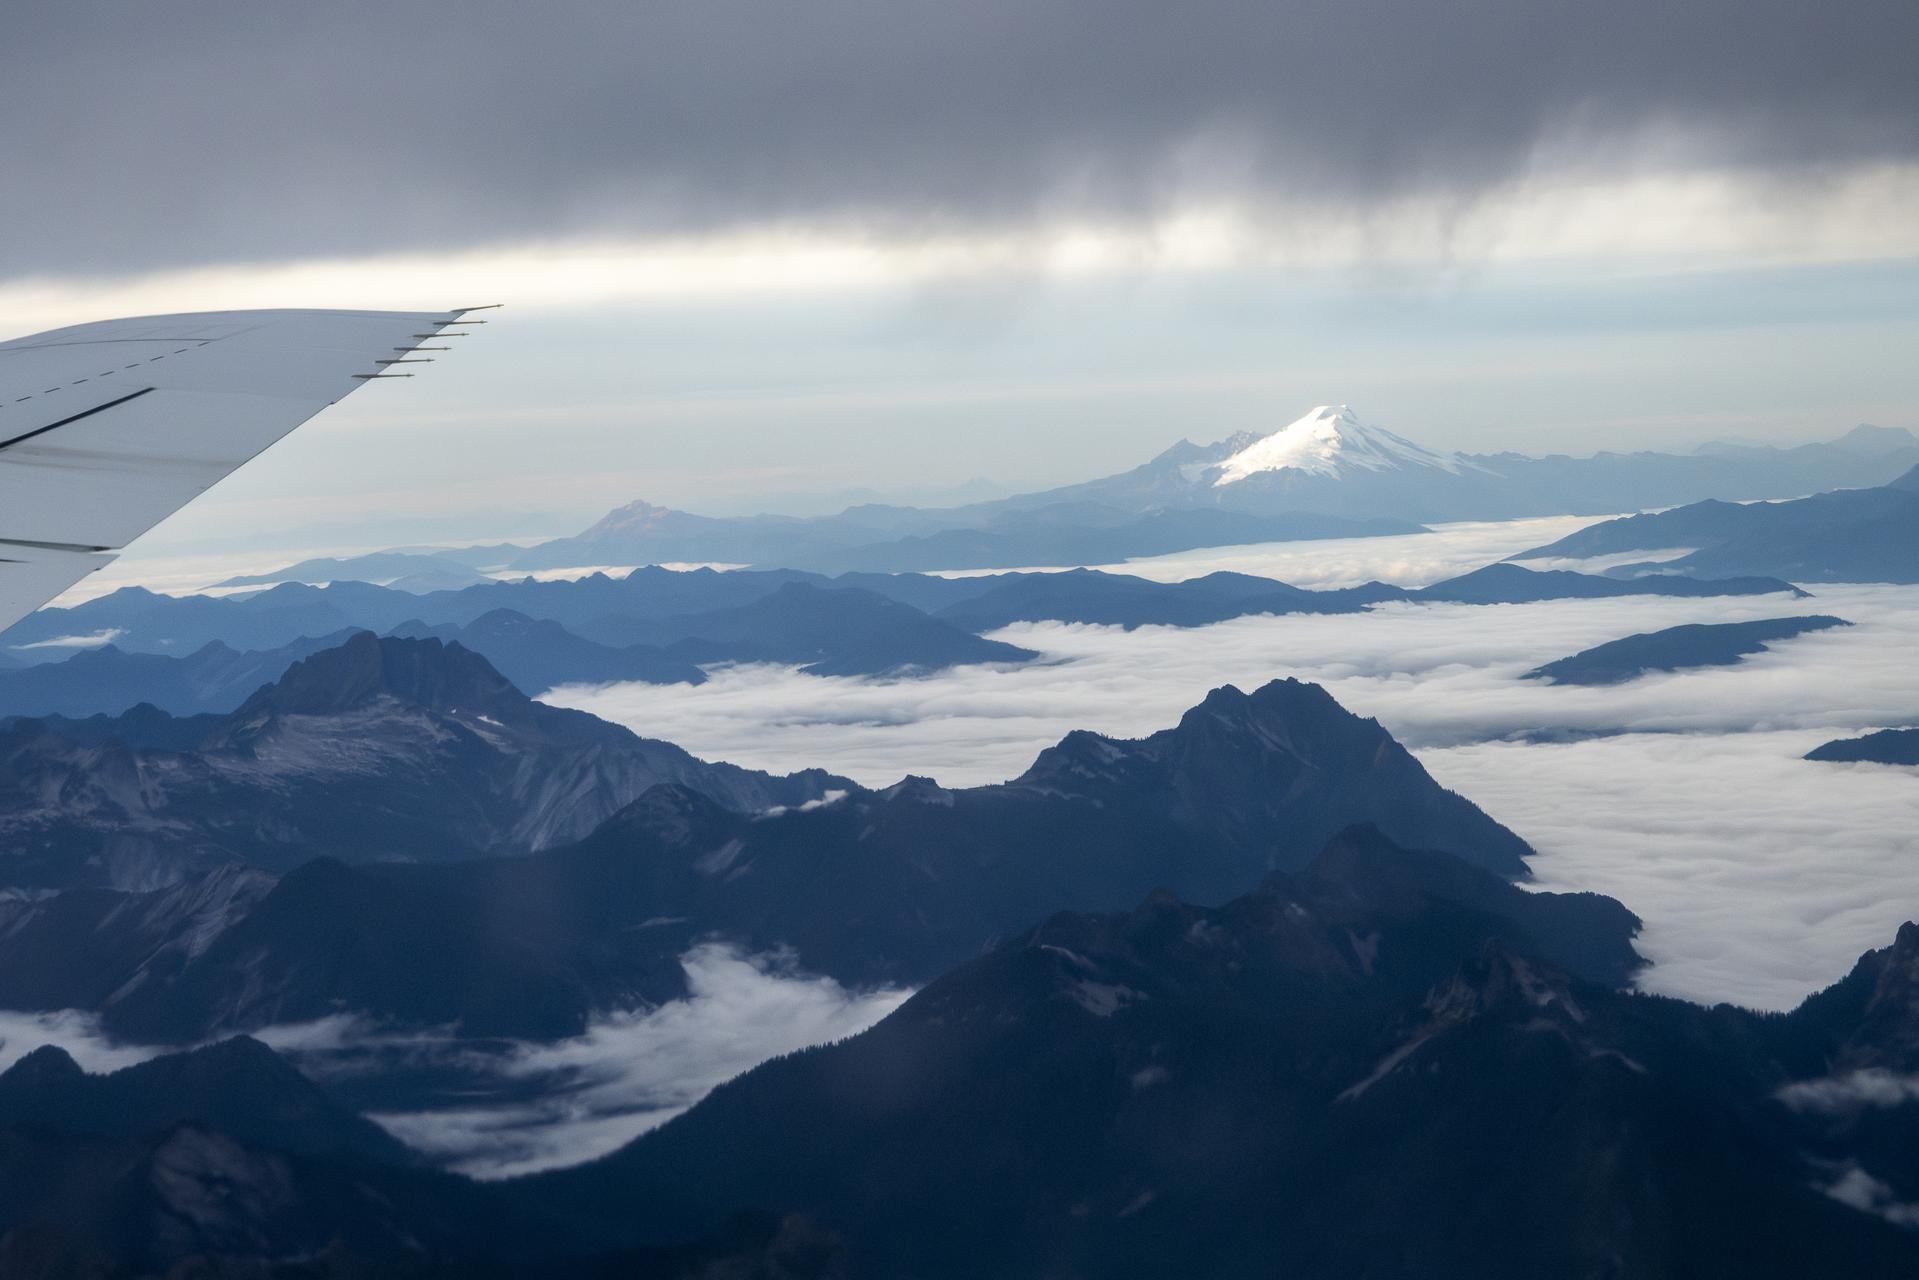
{"x": 1330, "y": 441}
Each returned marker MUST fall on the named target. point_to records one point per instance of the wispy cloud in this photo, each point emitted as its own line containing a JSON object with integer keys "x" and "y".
{"x": 75, "y": 1031}
{"x": 577, "y": 1099}
{"x": 1870, "y": 1089}
{"x": 93, "y": 640}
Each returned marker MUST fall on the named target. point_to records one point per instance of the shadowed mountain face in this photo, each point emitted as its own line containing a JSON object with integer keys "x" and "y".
{"x": 1721, "y": 644}
{"x": 868, "y": 887}
{"x": 538, "y": 655}
{"x": 1888, "y": 746}
{"x": 391, "y": 748}
{"x": 1849, "y": 535}
{"x": 1348, "y": 1072}
{"x": 1375, "y": 1059}
{"x": 238, "y": 1086}
{"x": 225, "y": 1151}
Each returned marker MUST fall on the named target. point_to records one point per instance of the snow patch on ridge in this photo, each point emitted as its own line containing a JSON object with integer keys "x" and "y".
{"x": 1331, "y": 441}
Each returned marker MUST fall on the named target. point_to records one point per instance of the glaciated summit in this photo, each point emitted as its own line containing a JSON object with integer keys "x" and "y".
{"x": 1331, "y": 441}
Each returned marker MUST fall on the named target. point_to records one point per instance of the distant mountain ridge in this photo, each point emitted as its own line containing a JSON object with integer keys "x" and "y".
{"x": 1847, "y": 535}
{"x": 1353, "y": 478}
{"x": 662, "y": 626}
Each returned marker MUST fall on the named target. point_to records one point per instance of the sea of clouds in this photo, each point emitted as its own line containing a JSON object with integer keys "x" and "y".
{"x": 1761, "y": 876}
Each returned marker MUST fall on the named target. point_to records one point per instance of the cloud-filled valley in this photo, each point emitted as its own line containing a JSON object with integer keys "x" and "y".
{"x": 1683, "y": 794}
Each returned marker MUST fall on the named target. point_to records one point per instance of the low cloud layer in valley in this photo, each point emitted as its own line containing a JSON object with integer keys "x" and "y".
{"x": 631, "y": 1072}
{"x": 1761, "y": 876}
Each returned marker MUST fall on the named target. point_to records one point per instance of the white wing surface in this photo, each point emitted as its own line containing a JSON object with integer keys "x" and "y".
{"x": 106, "y": 429}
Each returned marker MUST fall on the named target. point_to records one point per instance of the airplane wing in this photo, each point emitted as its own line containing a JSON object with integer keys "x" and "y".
{"x": 106, "y": 429}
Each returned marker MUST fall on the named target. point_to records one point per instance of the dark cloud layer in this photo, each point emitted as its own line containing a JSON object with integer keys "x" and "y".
{"x": 146, "y": 135}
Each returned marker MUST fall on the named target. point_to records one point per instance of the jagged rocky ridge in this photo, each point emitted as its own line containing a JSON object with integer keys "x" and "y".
{"x": 376, "y": 749}
{"x": 1376, "y": 1061}
{"x": 1345, "y": 1073}
{"x": 869, "y": 887}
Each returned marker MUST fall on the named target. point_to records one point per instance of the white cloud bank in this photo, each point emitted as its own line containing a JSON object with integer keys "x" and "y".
{"x": 1761, "y": 876}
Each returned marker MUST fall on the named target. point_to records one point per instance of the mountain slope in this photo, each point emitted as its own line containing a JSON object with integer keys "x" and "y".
{"x": 1348, "y": 1072}
{"x": 388, "y": 748}
{"x": 1848, "y": 535}
{"x": 1888, "y": 746}
{"x": 538, "y": 655}
{"x": 1515, "y": 584}
{"x": 1680, "y": 648}
{"x": 238, "y": 1087}
{"x": 836, "y": 632}
{"x": 213, "y": 679}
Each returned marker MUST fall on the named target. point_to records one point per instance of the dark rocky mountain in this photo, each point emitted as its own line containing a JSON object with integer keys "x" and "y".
{"x": 1712, "y": 644}
{"x": 1515, "y": 584}
{"x": 213, "y": 679}
{"x": 379, "y": 748}
{"x": 217, "y": 1161}
{"x": 1848, "y": 535}
{"x": 1888, "y": 746}
{"x": 238, "y": 1086}
{"x": 1349, "y": 1072}
{"x": 1371, "y": 1064}
{"x": 538, "y": 654}
{"x": 869, "y": 887}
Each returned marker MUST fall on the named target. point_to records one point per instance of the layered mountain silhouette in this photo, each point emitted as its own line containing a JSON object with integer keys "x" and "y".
{"x": 869, "y": 887}
{"x": 1888, "y": 746}
{"x": 540, "y": 654}
{"x": 213, "y": 679}
{"x": 663, "y": 626}
{"x": 1385, "y": 1058}
{"x": 839, "y": 632}
{"x": 1328, "y": 474}
{"x": 1351, "y": 1071}
{"x": 1848, "y": 535}
{"x": 1681, "y": 648}
{"x": 378, "y": 748}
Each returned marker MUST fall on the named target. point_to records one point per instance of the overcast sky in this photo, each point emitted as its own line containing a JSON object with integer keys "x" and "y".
{"x": 765, "y": 253}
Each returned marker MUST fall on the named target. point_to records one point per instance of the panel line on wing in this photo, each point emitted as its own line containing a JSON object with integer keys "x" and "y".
{"x": 84, "y": 413}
